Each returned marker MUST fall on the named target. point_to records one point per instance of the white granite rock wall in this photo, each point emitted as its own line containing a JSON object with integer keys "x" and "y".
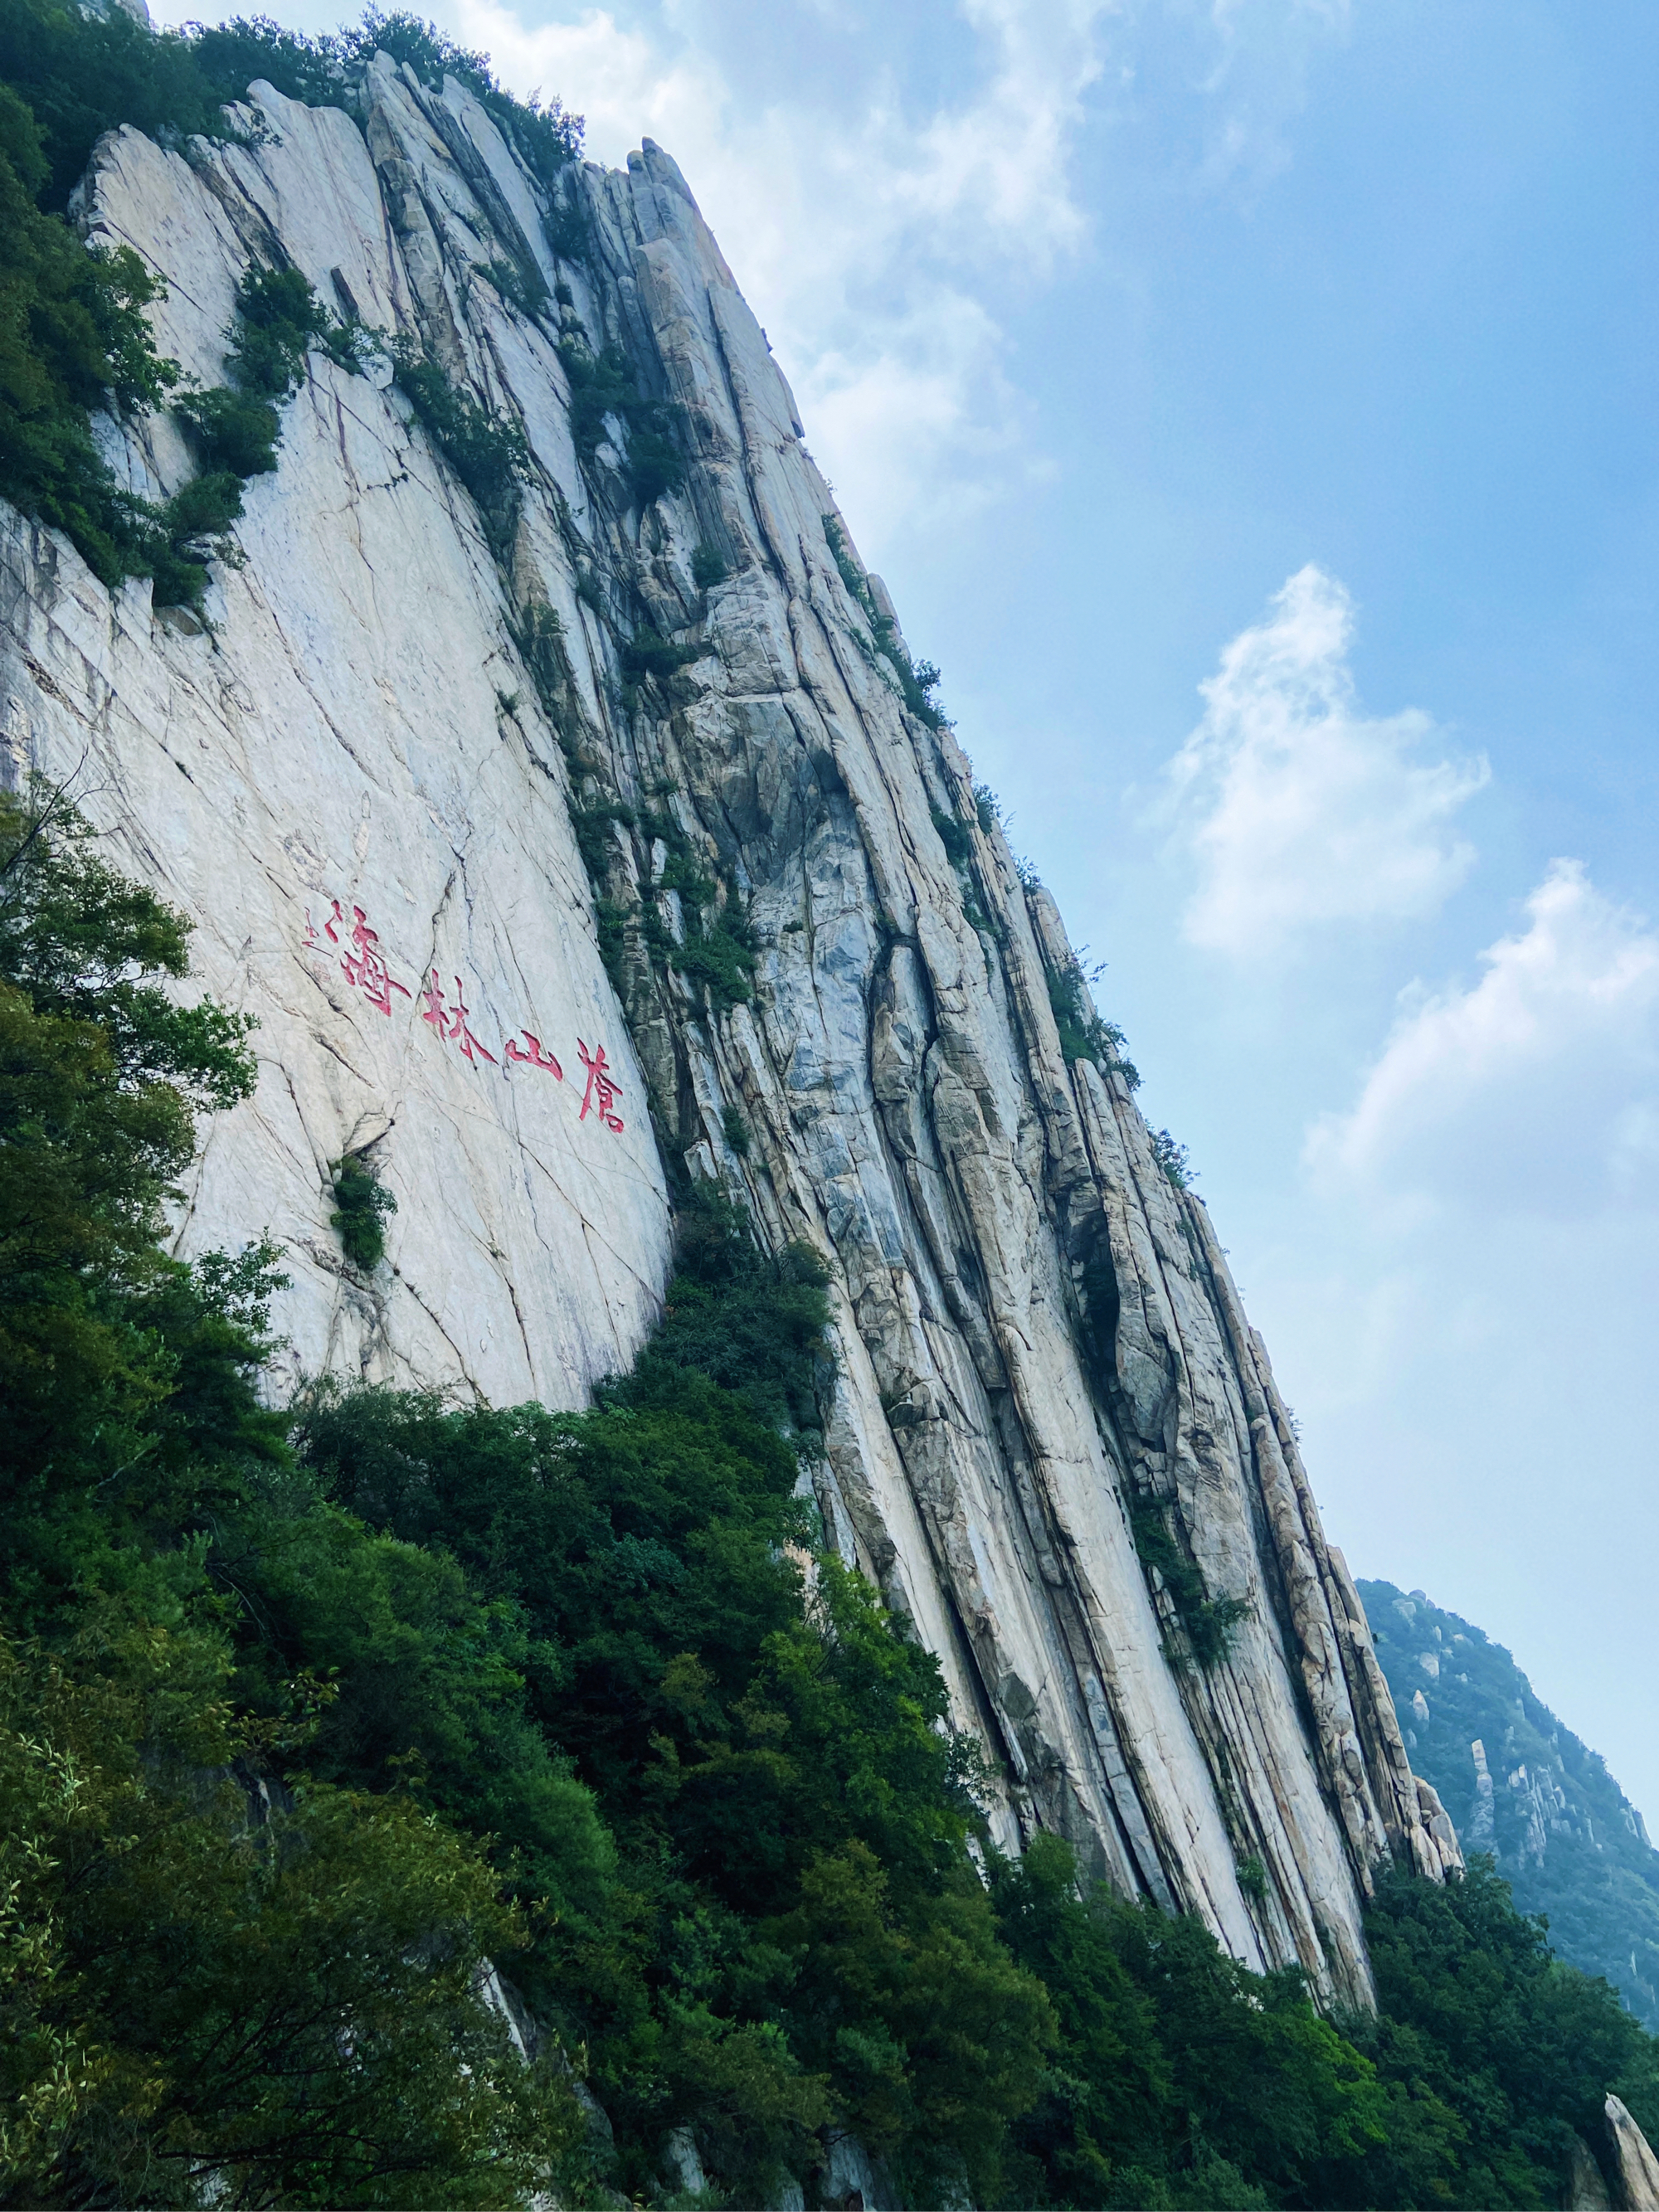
{"x": 1033, "y": 1325}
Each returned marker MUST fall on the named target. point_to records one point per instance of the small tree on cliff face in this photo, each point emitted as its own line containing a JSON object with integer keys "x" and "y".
{"x": 361, "y": 1204}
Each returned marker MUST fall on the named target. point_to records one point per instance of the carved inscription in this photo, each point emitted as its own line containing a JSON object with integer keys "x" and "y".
{"x": 447, "y": 1014}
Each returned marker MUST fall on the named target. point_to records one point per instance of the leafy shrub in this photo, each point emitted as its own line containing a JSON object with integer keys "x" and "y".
{"x": 487, "y": 451}
{"x": 592, "y": 824}
{"x": 955, "y": 836}
{"x": 917, "y": 683}
{"x": 361, "y": 1204}
{"x": 655, "y": 466}
{"x": 717, "y": 950}
{"x": 1480, "y": 2027}
{"x": 1082, "y": 1034}
{"x": 736, "y": 1130}
{"x": 719, "y": 954}
{"x": 1171, "y": 1158}
{"x": 521, "y": 284}
{"x": 279, "y": 316}
{"x": 604, "y": 383}
{"x": 1207, "y": 1622}
{"x": 986, "y": 807}
{"x": 647, "y": 654}
{"x": 236, "y": 427}
{"x": 708, "y": 568}
{"x": 1253, "y": 1877}
{"x": 236, "y": 432}
{"x": 73, "y": 337}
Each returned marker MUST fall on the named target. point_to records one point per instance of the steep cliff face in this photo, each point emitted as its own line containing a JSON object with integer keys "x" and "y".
{"x": 543, "y": 838}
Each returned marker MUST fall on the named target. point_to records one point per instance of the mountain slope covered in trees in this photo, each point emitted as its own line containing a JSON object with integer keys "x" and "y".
{"x": 1562, "y": 1833}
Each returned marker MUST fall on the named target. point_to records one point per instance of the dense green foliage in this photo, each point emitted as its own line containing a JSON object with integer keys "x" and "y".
{"x": 604, "y": 383}
{"x": 84, "y": 76}
{"x": 180, "y": 1953}
{"x": 1183, "y": 2080}
{"x": 708, "y": 568}
{"x": 715, "y": 947}
{"x": 1564, "y": 1834}
{"x": 1207, "y": 1622}
{"x": 73, "y": 336}
{"x": 1489, "y": 2040}
{"x": 488, "y": 453}
{"x": 303, "y": 1717}
{"x": 361, "y": 1202}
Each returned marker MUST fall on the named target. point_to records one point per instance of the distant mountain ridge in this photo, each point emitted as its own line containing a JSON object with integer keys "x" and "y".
{"x": 1521, "y": 1785}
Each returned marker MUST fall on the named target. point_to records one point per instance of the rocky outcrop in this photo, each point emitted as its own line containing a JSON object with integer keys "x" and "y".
{"x": 1586, "y": 2190}
{"x": 510, "y": 825}
{"x": 1637, "y": 2167}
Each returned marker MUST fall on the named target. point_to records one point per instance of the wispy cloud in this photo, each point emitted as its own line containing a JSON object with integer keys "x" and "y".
{"x": 1301, "y": 810}
{"x": 1261, "y": 56}
{"x": 1533, "y": 1090}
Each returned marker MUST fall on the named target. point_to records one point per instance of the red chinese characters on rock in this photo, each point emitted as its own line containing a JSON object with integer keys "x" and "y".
{"x": 535, "y": 1057}
{"x": 451, "y": 1021}
{"x": 364, "y": 967}
{"x": 362, "y": 963}
{"x": 601, "y": 1093}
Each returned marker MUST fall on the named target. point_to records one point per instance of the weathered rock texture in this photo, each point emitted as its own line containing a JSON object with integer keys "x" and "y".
{"x": 401, "y": 709}
{"x": 1638, "y": 2169}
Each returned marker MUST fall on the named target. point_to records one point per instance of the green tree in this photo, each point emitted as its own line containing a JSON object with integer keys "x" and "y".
{"x": 73, "y": 338}
{"x": 282, "y": 1999}
{"x": 1479, "y": 2019}
{"x": 102, "y": 1073}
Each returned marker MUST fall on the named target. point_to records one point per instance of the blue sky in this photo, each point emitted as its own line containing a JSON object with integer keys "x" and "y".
{"x": 1251, "y": 406}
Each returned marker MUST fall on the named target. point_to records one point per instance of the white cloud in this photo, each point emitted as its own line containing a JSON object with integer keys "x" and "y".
{"x": 1536, "y": 1089}
{"x": 1300, "y": 809}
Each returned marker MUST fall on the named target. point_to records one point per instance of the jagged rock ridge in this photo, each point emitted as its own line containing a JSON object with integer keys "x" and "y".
{"x": 405, "y": 718}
